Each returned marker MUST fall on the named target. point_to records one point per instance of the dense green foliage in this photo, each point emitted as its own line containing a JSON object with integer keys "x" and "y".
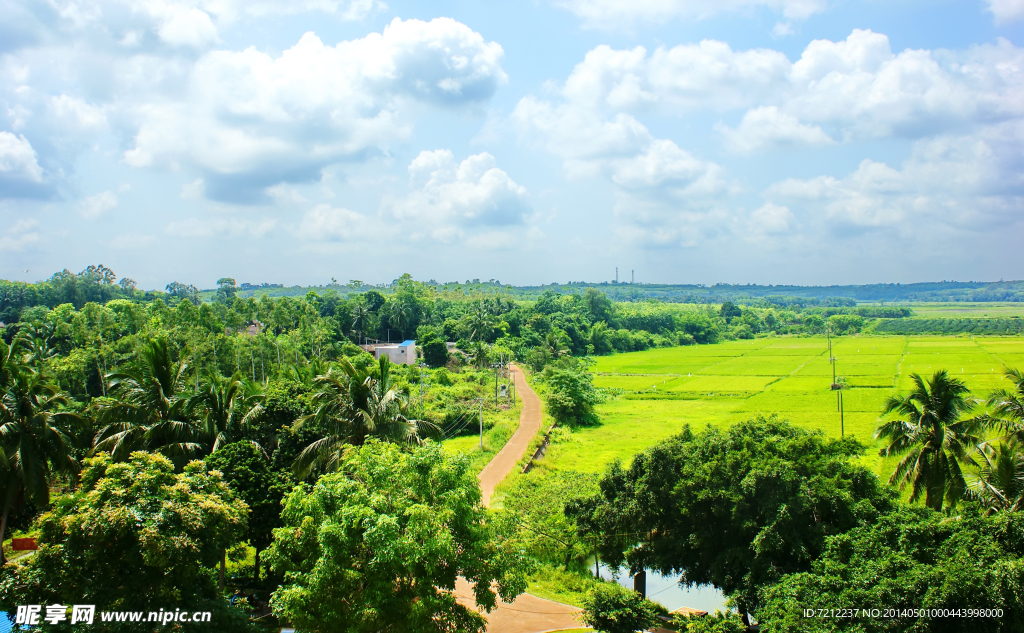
{"x": 910, "y": 559}
{"x": 378, "y": 545}
{"x": 33, "y": 444}
{"x": 246, "y": 469}
{"x": 135, "y": 536}
{"x": 534, "y": 506}
{"x": 718, "y": 622}
{"x": 611, "y": 608}
{"x": 736, "y": 509}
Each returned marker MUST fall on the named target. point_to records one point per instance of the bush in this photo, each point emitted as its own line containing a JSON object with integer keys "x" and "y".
{"x": 572, "y": 396}
{"x": 718, "y": 622}
{"x": 611, "y": 608}
{"x": 443, "y": 377}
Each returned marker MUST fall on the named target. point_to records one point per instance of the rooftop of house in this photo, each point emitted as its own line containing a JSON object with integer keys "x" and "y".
{"x": 406, "y": 343}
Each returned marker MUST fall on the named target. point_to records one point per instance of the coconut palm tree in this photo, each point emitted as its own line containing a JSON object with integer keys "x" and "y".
{"x": 351, "y": 405}
{"x": 224, "y": 408}
{"x": 399, "y": 315}
{"x": 999, "y": 484}
{"x": 933, "y": 437}
{"x": 360, "y": 321}
{"x": 1007, "y": 406}
{"x": 149, "y": 410}
{"x": 33, "y": 446}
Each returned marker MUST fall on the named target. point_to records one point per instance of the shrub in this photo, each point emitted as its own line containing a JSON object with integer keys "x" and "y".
{"x": 611, "y": 608}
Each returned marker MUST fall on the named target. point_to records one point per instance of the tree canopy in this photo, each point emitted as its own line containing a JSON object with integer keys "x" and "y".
{"x": 736, "y": 508}
{"x": 378, "y": 546}
{"x": 910, "y": 559}
{"x": 136, "y": 536}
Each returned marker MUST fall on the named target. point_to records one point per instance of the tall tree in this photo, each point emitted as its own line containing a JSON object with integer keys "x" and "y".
{"x": 351, "y": 406}
{"x": 380, "y": 544}
{"x": 934, "y": 436}
{"x": 33, "y": 447}
{"x": 149, "y": 409}
{"x": 247, "y": 470}
{"x": 360, "y": 322}
{"x": 399, "y": 315}
{"x": 736, "y": 508}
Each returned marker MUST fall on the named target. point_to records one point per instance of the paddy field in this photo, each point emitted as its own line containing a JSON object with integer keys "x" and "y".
{"x": 652, "y": 394}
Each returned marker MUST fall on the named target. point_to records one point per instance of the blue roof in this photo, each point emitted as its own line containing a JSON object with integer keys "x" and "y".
{"x": 405, "y": 343}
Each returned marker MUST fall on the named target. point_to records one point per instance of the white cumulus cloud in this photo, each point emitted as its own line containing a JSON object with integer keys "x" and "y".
{"x": 1006, "y": 10}
{"x": 18, "y": 160}
{"x": 858, "y": 85}
{"x": 767, "y": 127}
{"x": 451, "y": 198}
{"x": 187, "y": 23}
{"x": 961, "y": 183}
{"x": 251, "y": 120}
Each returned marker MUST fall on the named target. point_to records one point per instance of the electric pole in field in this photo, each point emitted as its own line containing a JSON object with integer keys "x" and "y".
{"x": 832, "y": 360}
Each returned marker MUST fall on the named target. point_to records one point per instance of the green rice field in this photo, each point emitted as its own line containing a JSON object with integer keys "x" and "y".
{"x": 652, "y": 394}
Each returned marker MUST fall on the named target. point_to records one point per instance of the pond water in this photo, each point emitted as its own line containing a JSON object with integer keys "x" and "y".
{"x": 665, "y": 590}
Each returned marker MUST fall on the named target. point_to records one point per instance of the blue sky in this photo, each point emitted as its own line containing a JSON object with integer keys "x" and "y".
{"x": 760, "y": 141}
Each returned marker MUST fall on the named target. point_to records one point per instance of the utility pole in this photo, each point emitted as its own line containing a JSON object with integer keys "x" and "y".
{"x": 832, "y": 360}
{"x": 632, "y": 276}
{"x": 616, "y": 274}
{"x": 481, "y": 424}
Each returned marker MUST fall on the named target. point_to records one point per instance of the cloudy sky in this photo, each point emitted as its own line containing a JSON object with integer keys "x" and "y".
{"x": 531, "y": 141}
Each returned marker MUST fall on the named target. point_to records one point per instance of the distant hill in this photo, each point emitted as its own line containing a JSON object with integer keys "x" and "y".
{"x": 979, "y": 291}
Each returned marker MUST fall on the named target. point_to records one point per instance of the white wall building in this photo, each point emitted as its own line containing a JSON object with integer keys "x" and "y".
{"x": 403, "y": 353}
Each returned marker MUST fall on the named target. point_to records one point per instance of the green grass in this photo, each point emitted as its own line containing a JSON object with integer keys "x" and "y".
{"x": 787, "y": 376}
{"x": 498, "y": 428}
{"x": 567, "y": 587}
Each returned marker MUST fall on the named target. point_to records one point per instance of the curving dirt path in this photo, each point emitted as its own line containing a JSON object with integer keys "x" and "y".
{"x": 529, "y": 423}
{"x": 527, "y": 613}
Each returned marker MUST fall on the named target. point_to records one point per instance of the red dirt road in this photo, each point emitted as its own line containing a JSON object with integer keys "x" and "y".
{"x": 527, "y": 614}
{"x": 529, "y": 423}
